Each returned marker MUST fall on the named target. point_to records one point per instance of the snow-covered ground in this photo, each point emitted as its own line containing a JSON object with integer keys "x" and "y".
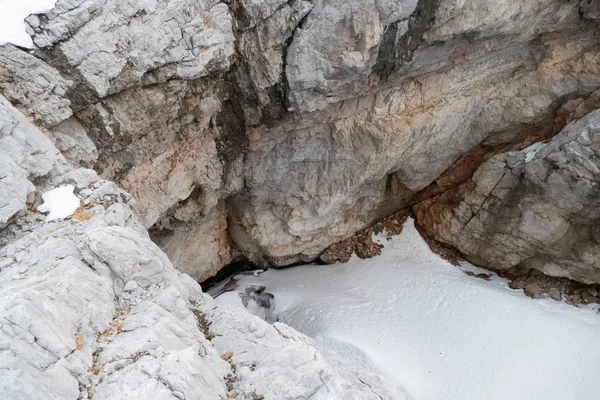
{"x": 444, "y": 335}
{"x": 12, "y": 16}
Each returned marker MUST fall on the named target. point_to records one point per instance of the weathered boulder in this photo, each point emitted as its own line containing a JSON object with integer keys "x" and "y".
{"x": 26, "y": 155}
{"x": 39, "y": 91}
{"x": 37, "y": 88}
{"x": 71, "y": 138}
{"x": 537, "y": 208}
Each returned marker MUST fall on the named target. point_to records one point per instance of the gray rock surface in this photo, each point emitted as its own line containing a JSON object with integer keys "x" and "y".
{"x": 260, "y": 51}
{"x": 590, "y": 9}
{"x": 26, "y": 154}
{"x": 35, "y": 87}
{"x": 71, "y": 138}
{"x": 339, "y": 66}
{"x": 114, "y": 45}
{"x": 190, "y": 243}
{"x": 315, "y": 179}
{"x": 268, "y": 130}
{"x": 537, "y": 208}
{"x": 305, "y": 371}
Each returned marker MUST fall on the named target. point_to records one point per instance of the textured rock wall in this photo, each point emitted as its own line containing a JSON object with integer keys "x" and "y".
{"x": 268, "y": 130}
{"x": 535, "y": 208}
{"x": 316, "y": 178}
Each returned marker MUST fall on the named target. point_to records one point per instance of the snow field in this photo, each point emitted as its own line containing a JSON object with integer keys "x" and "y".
{"x": 444, "y": 335}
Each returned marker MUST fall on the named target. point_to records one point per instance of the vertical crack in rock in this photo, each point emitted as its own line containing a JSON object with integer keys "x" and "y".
{"x": 232, "y": 142}
{"x": 397, "y": 47}
{"x": 283, "y": 88}
{"x": 261, "y": 50}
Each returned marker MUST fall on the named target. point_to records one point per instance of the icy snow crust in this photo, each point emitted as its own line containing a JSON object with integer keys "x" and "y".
{"x": 442, "y": 334}
{"x": 12, "y": 19}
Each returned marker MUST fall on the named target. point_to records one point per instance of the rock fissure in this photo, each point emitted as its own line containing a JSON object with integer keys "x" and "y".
{"x": 402, "y": 38}
{"x": 284, "y": 86}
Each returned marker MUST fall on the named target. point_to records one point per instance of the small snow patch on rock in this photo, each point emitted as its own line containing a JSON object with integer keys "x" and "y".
{"x": 59, "y": 203}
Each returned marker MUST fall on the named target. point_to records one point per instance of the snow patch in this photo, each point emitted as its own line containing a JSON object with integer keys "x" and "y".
{"x": 440, "y": 333}
{"x": 12, "y": 19}
{"x": 59, "y": 203}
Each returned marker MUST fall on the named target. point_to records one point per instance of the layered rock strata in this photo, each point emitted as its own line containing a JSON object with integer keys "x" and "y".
{"x": 536, "y": 208}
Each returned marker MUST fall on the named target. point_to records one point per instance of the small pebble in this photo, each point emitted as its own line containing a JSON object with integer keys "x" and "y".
{"x": 533, "y": 290}
{"x": 554, "y": 293}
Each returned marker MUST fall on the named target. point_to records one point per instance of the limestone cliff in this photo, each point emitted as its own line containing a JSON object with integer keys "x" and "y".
{"x": 267, "y": 130}
{"x": 197, "y": 133}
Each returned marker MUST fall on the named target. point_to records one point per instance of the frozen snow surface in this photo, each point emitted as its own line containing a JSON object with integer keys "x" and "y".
{"x": 59, "y": 203}
{"x": 442, "y": 334}
{"x": 12, "y": 17}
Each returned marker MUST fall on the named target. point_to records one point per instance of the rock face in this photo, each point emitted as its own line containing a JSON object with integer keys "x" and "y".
{"x": 313, "y": 179}
{"x": 266, "y": 130}
{"x": 92, "y": 308}
{"x": 34, "y": 86}
{"x": 537, "y": 208}
{"x": 114, "y": 45}
{"x": 26, "y": 154}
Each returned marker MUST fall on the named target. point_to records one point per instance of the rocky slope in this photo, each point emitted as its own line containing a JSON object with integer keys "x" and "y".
{"x": 268, "y": 130}
{"x": 92, "y": 308}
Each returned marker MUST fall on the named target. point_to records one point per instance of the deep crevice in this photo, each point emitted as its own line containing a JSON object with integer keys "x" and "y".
{"x": 395, "y": 51}
{"x": 284, "y": 86}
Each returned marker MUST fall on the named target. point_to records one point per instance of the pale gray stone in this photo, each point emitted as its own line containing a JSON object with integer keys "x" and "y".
{"x": 117, "y": 44}
{"x": 25, "y": 154}
{"x": 36, "y": 88}
{"x": 72, "y": 139}
{"x": 305, "y": 372}
{"x": 92, "y": 308}
{"x": 186, "y": 106}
